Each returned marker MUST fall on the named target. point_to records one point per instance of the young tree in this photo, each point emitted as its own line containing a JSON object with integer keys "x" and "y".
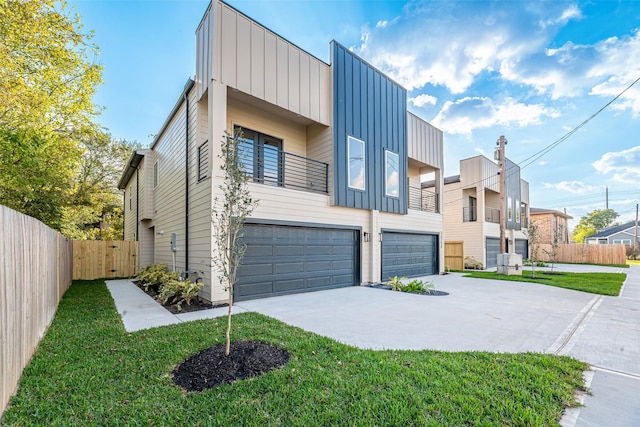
{"x": 533, "y": 232}
{"x": 229, "y": 215}
{"x": 555, "y": 246}
{"x": 592, "y": 222}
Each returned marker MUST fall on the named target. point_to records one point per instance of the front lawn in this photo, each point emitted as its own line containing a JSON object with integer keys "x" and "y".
{"x": 89, "y": 371}
{"x": 595, "y": 283}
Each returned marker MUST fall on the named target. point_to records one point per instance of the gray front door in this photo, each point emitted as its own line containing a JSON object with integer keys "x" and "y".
{"x": 408, "y": 254}
{"x": 493, "y": 249}
{"x": 283, "y": 259}
{"x": 522, "y": 248}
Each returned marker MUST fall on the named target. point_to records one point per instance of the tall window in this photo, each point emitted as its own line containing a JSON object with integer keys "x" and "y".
{"x": 517, "y": 210}
{"x": 392, "y": 174}
{"x": 472, "y": 215}
{"x": 261, "y": 157}
{"x": 509, "y": 209}
{"x": 203, "y": 161}
{"x": 155, "y": 174}
{"x": 356, "y": 167}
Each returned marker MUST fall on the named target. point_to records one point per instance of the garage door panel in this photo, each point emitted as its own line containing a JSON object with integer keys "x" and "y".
{"x": 408, "y": 254}
{"x": 493, "y": 249}
{"x": 294, "y": 259}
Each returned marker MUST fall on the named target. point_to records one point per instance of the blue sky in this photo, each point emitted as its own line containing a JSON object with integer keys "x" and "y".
{"x": 531, "y": 71}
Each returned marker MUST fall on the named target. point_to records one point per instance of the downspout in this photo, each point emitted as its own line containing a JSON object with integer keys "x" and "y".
{"x": 186, "y": 183}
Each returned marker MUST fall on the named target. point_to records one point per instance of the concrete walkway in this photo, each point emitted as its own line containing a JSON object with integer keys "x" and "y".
{"x": 478, "y": 314}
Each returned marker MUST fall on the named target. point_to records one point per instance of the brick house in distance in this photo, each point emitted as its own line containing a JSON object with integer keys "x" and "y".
{"x": 551, "y": 223}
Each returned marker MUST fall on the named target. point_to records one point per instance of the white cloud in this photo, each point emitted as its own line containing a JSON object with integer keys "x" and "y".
{"x": 469, "y": 113}
{"x": 543, "y": 162}
{"x": 423, "y": 99}
{"x": 479, "y": 150}
{"x": 574, "y": 187}
{"x": 451, "y": 44}
{"x": 624, "y": 164}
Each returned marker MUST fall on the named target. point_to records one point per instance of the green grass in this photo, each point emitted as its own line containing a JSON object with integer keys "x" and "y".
{"x": 89, "y": 371}
{"x": 548, "y": 264}
{"x": 595, "y": 283}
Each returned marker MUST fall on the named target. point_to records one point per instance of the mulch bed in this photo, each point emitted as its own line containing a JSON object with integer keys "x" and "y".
{"x": 211, "y": 367}
{"x": 197, "y": 303}
{"x": 432, "y": 292}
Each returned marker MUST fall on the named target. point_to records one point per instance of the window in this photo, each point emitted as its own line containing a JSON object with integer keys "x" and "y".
{"x": 261, "y": 157}
{"x": 130, "y": 202}
{"x": 392, "y": 173}
{"x": 471, "y": 213}
{"x": 622, "y": 242}
{"x": 356, "y": 166}
{"x": 155, "y": 174}
{"x": 203, "y": 161}
{"x": 509, "y": 209}
{"x": 517, "y": 210}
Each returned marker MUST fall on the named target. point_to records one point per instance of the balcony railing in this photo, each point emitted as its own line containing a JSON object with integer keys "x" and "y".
{"x": 469, "y": 214}
{"x": 492, "y": 215}
{"x": 269, "y": 165}
{"x": 423, "y": 200}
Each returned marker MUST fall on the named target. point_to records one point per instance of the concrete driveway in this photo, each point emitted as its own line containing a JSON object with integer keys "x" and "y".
{"x": 494, "y": 316}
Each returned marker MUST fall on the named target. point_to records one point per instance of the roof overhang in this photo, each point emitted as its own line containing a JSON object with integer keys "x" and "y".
{"x": 132, "y": 166}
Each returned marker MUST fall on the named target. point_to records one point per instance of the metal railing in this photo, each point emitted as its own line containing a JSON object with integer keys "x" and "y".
{"x": 469, "y": 214}
{"x": 269, "y": 165}
{"x": 492, "y": 215}
{"x": 423, "y": 200}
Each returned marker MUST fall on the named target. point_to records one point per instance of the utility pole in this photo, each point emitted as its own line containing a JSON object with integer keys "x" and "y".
{"x": 606, "y": 196}
{"x": 502, "y": 141}
{"x": 635, "y": 241}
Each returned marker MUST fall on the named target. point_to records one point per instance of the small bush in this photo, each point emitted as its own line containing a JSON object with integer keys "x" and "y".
{"x": 396, "y": 283}
{"x": 176, "y": 291}
{"x": 153, "y": 276}
{"x": 470, "y": 263}
{"x": 418, "y": 286}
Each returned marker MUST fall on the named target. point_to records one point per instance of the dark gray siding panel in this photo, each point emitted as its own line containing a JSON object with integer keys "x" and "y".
{"x": 512, "y": 190}
{"x": 493, "y": 249}
{"x": 373, "y": 108}
{"x": 283, "y": 259}
{"x": 409, "y": 254}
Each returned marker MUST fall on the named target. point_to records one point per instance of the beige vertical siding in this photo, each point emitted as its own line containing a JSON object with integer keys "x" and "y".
{"x": 320, "y": 147}
{"x": 246, "y": 56}
{"x": 204, "y": 46}
{"x": 425, "y": 142}
{"x": 35, "y": 272}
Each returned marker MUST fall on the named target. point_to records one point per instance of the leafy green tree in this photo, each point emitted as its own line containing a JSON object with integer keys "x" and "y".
{"x": 592, "y": 222}
{"x": 48, "y": 72}
{"x": 228, "y": 217}
{"x": 48, "y": 76}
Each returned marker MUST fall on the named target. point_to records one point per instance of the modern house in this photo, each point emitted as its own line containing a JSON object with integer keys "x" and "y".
{"x": 552, "y": 225}
{"x": 623, "y": 234}
{"x": 472, "y": 209}
{"x": 334, "y": 158}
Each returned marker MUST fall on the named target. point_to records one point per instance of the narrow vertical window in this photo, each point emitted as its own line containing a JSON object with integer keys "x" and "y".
{"x": 203, "y": 161}
{"x": 392, "y": 173}
{"x": 517, "y": 210}
{"x": 356, "y": 166}
{"x": 155, "y": 174}
{"x": 509, "y": 209}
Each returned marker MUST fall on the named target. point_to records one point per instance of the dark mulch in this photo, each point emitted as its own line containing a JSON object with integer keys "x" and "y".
{"x": 211, "y": 367}
{"x": 433, "y": 292}
{"x": 196, "y": 304}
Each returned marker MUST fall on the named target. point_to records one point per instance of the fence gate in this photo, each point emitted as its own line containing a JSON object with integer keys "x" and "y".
{"x": 104, "y": 259}
{"x": 454, "y": 255}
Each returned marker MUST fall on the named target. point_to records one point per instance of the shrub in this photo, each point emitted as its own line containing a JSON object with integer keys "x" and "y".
{"x": 471, "y": 264}
{"x": 176, "y": 291}
{"x": 418, "y": 286}
{"x": 396, "y": 283}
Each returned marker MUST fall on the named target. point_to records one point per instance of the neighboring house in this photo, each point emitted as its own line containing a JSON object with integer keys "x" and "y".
{"x": 335, "y": 160}
{"x": 620, "y": 234}
{"x": 551, "y": 225}
{"x": 472, "y": 209}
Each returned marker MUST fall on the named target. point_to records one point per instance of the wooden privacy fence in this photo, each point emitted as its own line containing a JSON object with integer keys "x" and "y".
{"x": 585, "y": 254}
{"x": 454, "y": 255}
{"x": 104, "y": 259}
{"x": 35, "y": 271}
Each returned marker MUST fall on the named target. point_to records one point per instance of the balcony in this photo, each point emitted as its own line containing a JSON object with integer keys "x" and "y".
{"x": 492, "y": 215}
{"x": 269, "y": 165}
{"x": 469, "y": 214}
{"x": 423, "y": 200}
